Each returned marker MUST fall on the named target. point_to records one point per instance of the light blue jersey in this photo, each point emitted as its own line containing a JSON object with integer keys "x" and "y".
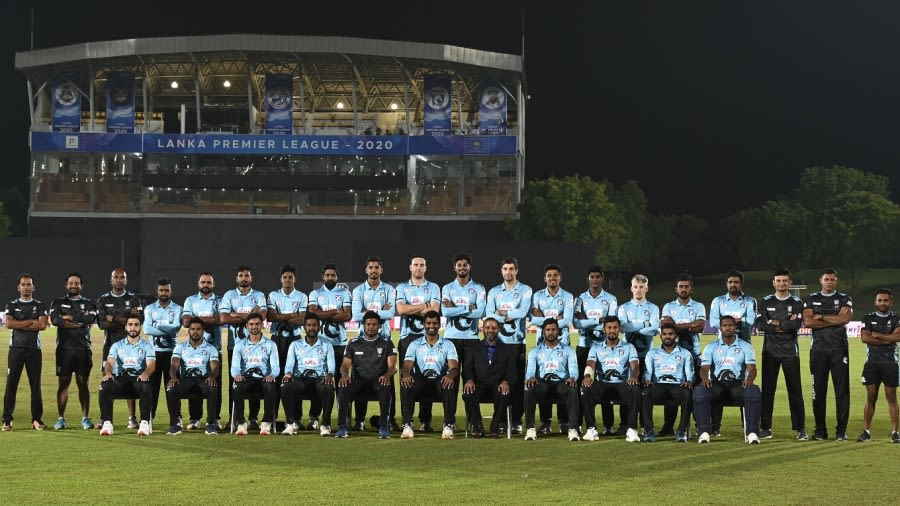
{"x": 613, "y": 365}
{"x": 256, "y": 360}
{"x": 640, "y": 322}
{"x": 686, "y": 313}
{"x": 595, "y": 309}
{"x": 560, "y": 307}
{"x": 162, "y": 325}
{"x": 734, "y": 357}
{"x": 409, "y": 293}
{"x": 195, "y": 359}
{"x": 517, "y": 303}
{"x": 670, "y": 368}
{"x": 287, "y": 303}
{"x": 462, "y": 322}
{"x": 433, "y": 358}
{"x": 317, "y": 358}
{"x": 743, "y": 309}
{"x": 236, "y": 302}
{"x": 327, "y": 300}
{"x": 559, "y": 360}
{"x": 131, "y": 359}
{"x": 366, "y": 298}
{"x": 196, "y": 305}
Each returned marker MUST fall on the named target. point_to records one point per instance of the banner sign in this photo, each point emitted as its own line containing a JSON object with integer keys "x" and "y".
{"x": 437, "y": 104}
{"x": 66, "y": 103}
{"x": 120, "y": 102}
{"x": 279, "y": 104}
{"x": 492, "y": 110}
{"x": 463, "y": 145}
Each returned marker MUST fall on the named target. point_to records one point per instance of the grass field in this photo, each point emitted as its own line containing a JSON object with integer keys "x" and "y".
{"x": 76, "y": 466}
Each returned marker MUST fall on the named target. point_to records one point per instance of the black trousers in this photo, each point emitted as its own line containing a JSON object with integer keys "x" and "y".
{"x": 191, "y": 388}
{"x": 666, "y": 394}
{"x": 424, "y": 406}
{"x": 315, "y": 405}
{"x": 629, "y": 396}
{"x": 836, "y": 363}
{"x": 124, "y": 387}
{"x": 30, "y": 360}
{"x": 302, "y": 388}
{"x": 473, "y": 405}
{"x": 159, "y": 377}
{"x": 435, "y": 388}
{"x": 359, "y": 390}
{"x": 254, "y": 402}
{"x": 543, "y": 392}
{"x": 517, "y": 389}
{"x": 791, "y": 367}
{"x": 720, "y": 393}
{"x": 250, "y": 388}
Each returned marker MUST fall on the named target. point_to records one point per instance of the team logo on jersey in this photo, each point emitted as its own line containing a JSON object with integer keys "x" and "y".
{"x": 472, "y": 292}
{"x": 320, "y": 351}
{"x": 379, "y": 351}
{"x": 338, "y": 299}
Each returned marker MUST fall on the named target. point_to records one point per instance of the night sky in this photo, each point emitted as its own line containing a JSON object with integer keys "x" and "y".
{"x": 710, "y": 106}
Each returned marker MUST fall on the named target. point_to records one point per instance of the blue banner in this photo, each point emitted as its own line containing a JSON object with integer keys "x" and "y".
{"x": 437, "y": 104}
{"x": 279, "y": 104}
{"x": 236, "y": 144}
{"x": 120, "y": 102}
{"x": 492, "y": 110}
{"x": 66, "y": 102}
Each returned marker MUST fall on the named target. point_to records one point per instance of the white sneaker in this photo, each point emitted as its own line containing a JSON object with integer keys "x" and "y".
{"x": 573, "y": 435}
{"x": 631, "y": 436}
{"x": 241, "y": 430}
{"x": 107, "y": 429}
{"x": 704, "y": 438}
{"x": 265, "y": 429}
{"x": 324, "y": 430}
{"x": 591, "y": 435}
{"x": 752, "y": 438}
{"x": 447, "y": 433}
{"x": 530, "y": 434}
{"x": 132, "y": 423}
{"x": 314, "y": 424}
{"x": 407, "y": 431}
{"x": 290, "y": 429}
{"x": 193, "y": 425}
{"x": 144, "y": 428}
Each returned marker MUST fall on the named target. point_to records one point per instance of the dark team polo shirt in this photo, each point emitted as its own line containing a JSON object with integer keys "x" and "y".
{"x": 83, "y": 311}
{"x": 369, "y": 357}
{"x": 18, "y": 309}
{"x": 830, "y": 338}
{"x": 780, "y": 344}
{"x": 881, "y": 353}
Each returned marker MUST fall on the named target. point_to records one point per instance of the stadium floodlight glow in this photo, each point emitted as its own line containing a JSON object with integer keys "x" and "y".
{"x": 393, "y": 106}
{"x": 174, "y": 85}
{"x": 340, "y": 105}
{"x": 227, "y": 83}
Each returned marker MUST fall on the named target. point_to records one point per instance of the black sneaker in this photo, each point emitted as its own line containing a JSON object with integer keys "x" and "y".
{"x": 426, "y": 427}
{"x": 394, "y": 426}
{"x": 666, "y": 430}
{"x": 820, "y": 435}
{"x": 841, "y": 436}
{"x": 621, "y": 430}
{"x": 802, "y": 435}
{"x": 865, "y": 436}
{"x": 765, "y": 433}
{"x": 544, "y": 429}
{"x": 895, "y": 437}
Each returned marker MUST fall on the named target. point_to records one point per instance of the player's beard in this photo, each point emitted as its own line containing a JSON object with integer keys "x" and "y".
{"x": 330, "y": 284}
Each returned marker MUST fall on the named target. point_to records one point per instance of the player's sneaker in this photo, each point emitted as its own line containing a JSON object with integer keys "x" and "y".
{"x": 703, "y": 438}
{"x": 360, "y": 426}
{"x": 608, "y": 431}
{"x": 132, "y": 423}
{"x": 447, "y": 433}
{"x": 544, "y": 429}
{"x": 680, "y": 437}
{"x": 314, "y": 423}
{"x": 193, "y": 425}
{"x": 765, "y": 434}
{"x": 407, "y": 432}
{"x": 325, "y": 430}
{"x": 573, "y": 435}
{"x": 265, "y": 429}
{"x": 253, "y": 424}
{"x": 517, "y": 428}
{"x": 715, "y": 433}
{"x": 802, "y": 435}
{"x": 820, "y": 435}
{"x": 174, "y": 430}
{"x": 564, "y": 428}
{"x": 7, "y": 425}
{"x": 591, "y": 434}
{"x": 895, "y": 437}
{"x": 666, "y": 430}
{"x": 649, "y": 436}
{"x": 384, "y": 433}
{"x": 106, "y": 429}
{"x": 426, "y": 427}
{"x": 342, "y": 432}
{"x": 87, "y": 423}
{"x": 530, "y": 434}
{"x": 241, "y": 429}
{"x": 60, "y": 424}
{"x": 752, "y": 439}
{"x": 631, "y": 436}
{"x": 144, "y": 428}
{"x": 290, "y": 429}
{"x": 841, "y": 436}
{"x": 38, "y": 424}
{"x": 211, "y": 429}
{"x": 865, "y": 436}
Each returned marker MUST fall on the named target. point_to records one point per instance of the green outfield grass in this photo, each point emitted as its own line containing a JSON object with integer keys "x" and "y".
{"x": 76, "y": 466}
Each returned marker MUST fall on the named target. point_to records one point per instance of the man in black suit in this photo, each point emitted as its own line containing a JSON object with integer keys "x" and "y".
{"x": 489, "y": 366}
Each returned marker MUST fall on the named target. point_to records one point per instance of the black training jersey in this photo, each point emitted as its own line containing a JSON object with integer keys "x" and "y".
{"x": 83, "y": 312}
{"x": 830, "y": 338}
{"x": 369, "y": 357}
{"x": 17, "y": 309}
{"x": 115, "y": 305}
{"x": 876, "y": 322}
{"x": 789, "y": 314}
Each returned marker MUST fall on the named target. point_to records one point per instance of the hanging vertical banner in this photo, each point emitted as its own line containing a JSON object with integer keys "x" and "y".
{"x": 66, "y": 108}
{"x": 279, "y": 104}
{"x": 492, "y": 110}
{"x": 120, "y": 102}
{"x": 437, "y": 105}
